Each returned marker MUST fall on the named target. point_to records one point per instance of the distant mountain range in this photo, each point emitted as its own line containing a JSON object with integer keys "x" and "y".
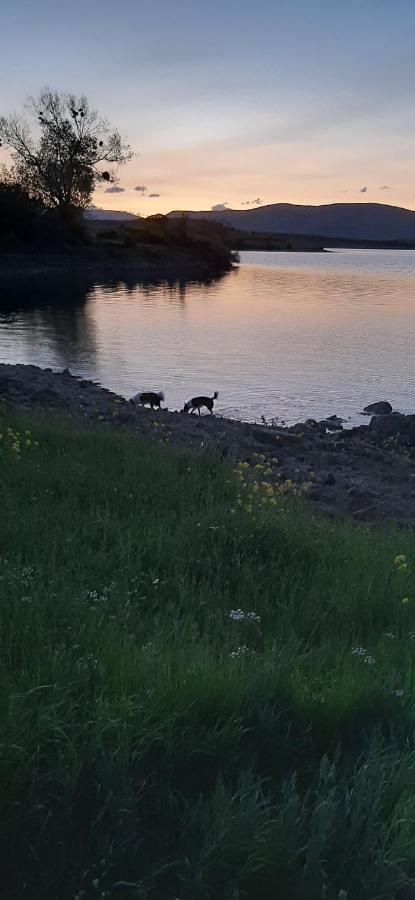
{"x": 355, "y": 221}
{"x": 108, "y": 215}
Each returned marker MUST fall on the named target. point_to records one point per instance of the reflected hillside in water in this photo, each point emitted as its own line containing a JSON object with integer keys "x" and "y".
{"x": 51, "y": 311}
{"x": 51, "y": 319}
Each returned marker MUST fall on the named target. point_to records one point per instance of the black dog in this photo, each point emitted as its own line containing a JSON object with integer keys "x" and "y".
{"x": 151, "y": 398}
{"x": 196, "y": 403}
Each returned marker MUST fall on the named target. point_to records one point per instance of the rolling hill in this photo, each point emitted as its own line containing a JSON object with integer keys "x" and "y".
{"x": 355, "y": 221}
{"x": 94, "y": 214}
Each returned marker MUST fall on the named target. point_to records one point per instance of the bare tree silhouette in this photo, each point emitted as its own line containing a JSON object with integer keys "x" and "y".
{"x": 71, "y": 153}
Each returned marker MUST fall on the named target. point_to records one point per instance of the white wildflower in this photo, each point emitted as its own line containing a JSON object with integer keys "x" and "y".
{"x": 241, "y": 651}
{"x": 238, "y": 615}
{"x": 252, "y": 617}
{"x": 95, "y": 597}
{"x": 364, "y": 655}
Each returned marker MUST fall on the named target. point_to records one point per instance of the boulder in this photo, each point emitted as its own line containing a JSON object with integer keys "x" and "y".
{"x": 308, "y": 427}
{"x": 381, "y": 408}
{"x": 393, "y": 424}
{"x": 332, "y": 424}
{"x": 264, "y": 436}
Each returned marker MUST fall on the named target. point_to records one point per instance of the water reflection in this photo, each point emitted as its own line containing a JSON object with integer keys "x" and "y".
{"x": 286, "y": 335}
{"x": 50, "y": 312}
{"x": 51, "y": 319}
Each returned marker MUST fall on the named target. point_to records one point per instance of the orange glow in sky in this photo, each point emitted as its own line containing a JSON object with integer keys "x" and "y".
{"x": 230, "y": 102}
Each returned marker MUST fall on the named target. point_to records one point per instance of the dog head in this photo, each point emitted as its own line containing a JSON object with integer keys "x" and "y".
{"x": 187, "y": 406}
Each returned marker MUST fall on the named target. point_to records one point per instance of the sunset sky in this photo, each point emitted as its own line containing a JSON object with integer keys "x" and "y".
{"x": 232, "y": 102}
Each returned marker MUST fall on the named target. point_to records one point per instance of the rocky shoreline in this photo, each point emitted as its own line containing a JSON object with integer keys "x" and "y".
{"x": 367, "y": 472}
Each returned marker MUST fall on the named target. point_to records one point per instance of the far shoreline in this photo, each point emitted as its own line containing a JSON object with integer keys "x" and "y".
{"x": 170, "y": 264}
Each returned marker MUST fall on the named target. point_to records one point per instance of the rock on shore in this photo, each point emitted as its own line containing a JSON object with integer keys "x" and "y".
{"x": 381, "y": 408}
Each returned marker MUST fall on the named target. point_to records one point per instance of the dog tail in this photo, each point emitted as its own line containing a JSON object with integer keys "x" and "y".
{"x": 160, "y": 395}
{"x": 216, "y": 395}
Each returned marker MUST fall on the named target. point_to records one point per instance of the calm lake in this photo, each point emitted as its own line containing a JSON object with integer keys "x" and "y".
{"x": 286, "y": 335}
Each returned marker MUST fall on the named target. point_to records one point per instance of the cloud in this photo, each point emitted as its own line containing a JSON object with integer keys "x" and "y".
{"x": 154, "y": 195}
{"x": 344, "y": 191}
{"x": 141, "y": 188}
{"x": 363, "y": 190}
{"x": 114, "y": 190}
{"x": 219, "y": 207}
{"x": 385, "y": 187}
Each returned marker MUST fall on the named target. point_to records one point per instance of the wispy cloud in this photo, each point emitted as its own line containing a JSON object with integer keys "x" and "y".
{"x": 219, "y": 206}
{"x": 344, "y": 191}
{"x": 114, "y": 190}
{"x": 363, "y": 190}
{"x": 256, "y": 202}
{"x": 385, "y": 187}
{"x": 154, "y": 195}
{"x": 141, "y": 188}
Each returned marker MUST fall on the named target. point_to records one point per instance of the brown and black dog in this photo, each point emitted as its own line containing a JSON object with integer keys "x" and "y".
{"x": 196, "y": 403}
{"x": 149, "y": 398}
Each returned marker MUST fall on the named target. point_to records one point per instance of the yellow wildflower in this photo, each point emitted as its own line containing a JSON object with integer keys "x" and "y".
{"x": 399, "y": 560}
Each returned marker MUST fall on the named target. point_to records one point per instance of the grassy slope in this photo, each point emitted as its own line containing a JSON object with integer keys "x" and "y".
{"x": 142, "y": 754}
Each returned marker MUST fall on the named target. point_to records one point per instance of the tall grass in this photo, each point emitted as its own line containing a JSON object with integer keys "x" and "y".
{"x": 151, "y": 745}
